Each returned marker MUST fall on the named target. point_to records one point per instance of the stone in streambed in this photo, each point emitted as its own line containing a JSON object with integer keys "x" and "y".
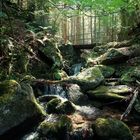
{"x": 111, "y": 129}
{"x": 109, "y": 92}
{"x": 89, "y": 78}
{"x": 17, "y": 104}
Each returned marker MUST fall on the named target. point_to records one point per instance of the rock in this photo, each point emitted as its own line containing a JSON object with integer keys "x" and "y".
{"x": 82, "y": 129}
{"x": 81, "y": 134}
{"x": 60, "y": 107}
{"x": 66, "y": 108}
{"x": 111, "y": 129}
{"x": 125, "y": 43}
{"x": 88, "y": 78}
{"x": 75, "y": 95}
{"x": 55, "y": 126}
{"x": 109, "y": 92}
{"x": 106, "y": 71}
{"x": 51, "y": 51}
{"x": 70, "y": 55}
{"x": 90, "y": 56}
{"x": 113, "y": 56}
{"x": 17, "y": 105}
{"x": 51, "y": 105}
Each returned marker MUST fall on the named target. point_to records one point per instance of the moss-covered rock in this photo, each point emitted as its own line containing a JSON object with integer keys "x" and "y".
{"x": 89, "y": 78}
{"x": 51, "y": 105}
{"x": 109, "y": 92}
{"x": 51, "y": 50}
{"x": 106, "y": 71}
{"x": 113, "y": 56}
{"x": 60, "y": 107}
{"x": 111, "y": 129}
{"x": 66, "y": 108}
{"x": 17, "y": 104}
{"x": 75, "y": 94}
{"x": 55, "y": 127}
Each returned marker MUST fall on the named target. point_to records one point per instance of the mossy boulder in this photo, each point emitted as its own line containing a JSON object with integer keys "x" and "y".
{"x": 51, "y": 105}
{"x": 66, "y": 108}
{"x": 111, "y": 129}
{"x": 113, "y": 56}
{"x": 17, "y": 104}
{"x": 55, "y": 126}
{"x": 106, "y": 71}
{"x": 109, "y": 92}
{"x": 75, "y": 94}
{"x": 52, "y": 51}
{"x": 59, "y": 106}
{"x": 88, "y": 78}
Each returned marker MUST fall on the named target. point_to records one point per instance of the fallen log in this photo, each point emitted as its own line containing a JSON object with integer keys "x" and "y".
{"x": 129, "y": 108}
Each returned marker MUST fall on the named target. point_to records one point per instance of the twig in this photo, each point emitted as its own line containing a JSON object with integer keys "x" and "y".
{"x": 138, "y": 82}
{"x": 129, "y": 108}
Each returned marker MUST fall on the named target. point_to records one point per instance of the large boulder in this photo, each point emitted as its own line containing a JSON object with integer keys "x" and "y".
{"x": 106, "y": 71}
{"x": 75, "y": 95}
{"x": 60, "y": 106}
{"x": 88, "y": 78}
{"x": 111, "y": 129}
{"x": 109, "y": 92}
{"x": 17, "y": 105}
{"x": 119, "y": 55}
{"x": 55, "y": 127}
{"x": 52, "y": 51}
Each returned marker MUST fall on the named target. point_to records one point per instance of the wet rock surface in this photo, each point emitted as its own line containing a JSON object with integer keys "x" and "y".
{"x": 108, "y": 129}
{"x": 69, "y": 103}
{"x": 17, "y": 104}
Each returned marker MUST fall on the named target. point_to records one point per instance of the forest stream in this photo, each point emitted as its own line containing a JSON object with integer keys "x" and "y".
{"x": 52, "y": 90}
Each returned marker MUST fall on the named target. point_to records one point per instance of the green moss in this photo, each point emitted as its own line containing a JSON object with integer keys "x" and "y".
{"x": 56, "y": 128}
{"x": 51, "y": 105}
{"x": 59, "y": 75}
{"x": 17, "y": 104}
{"x": 130, "y": 75}
{"x": 53, "y": 52}
{"x": 7, "y": 89}
{"x": 103, "y": 92}
{"x": 59, "y": 107}
{"x": 90, "y": 74}
{"x": 66, "y": 108}
{"x": 109, "y": 128}
{"x": 106, "y": 71}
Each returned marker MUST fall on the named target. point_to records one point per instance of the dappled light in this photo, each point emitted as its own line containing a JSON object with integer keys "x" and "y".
{"x": 70, "y": 70}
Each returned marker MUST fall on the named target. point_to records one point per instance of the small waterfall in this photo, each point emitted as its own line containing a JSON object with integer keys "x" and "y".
{"x": 30, "y": 136}
{"x": 75, "y": 69}
{"x": 56, "y": 89}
